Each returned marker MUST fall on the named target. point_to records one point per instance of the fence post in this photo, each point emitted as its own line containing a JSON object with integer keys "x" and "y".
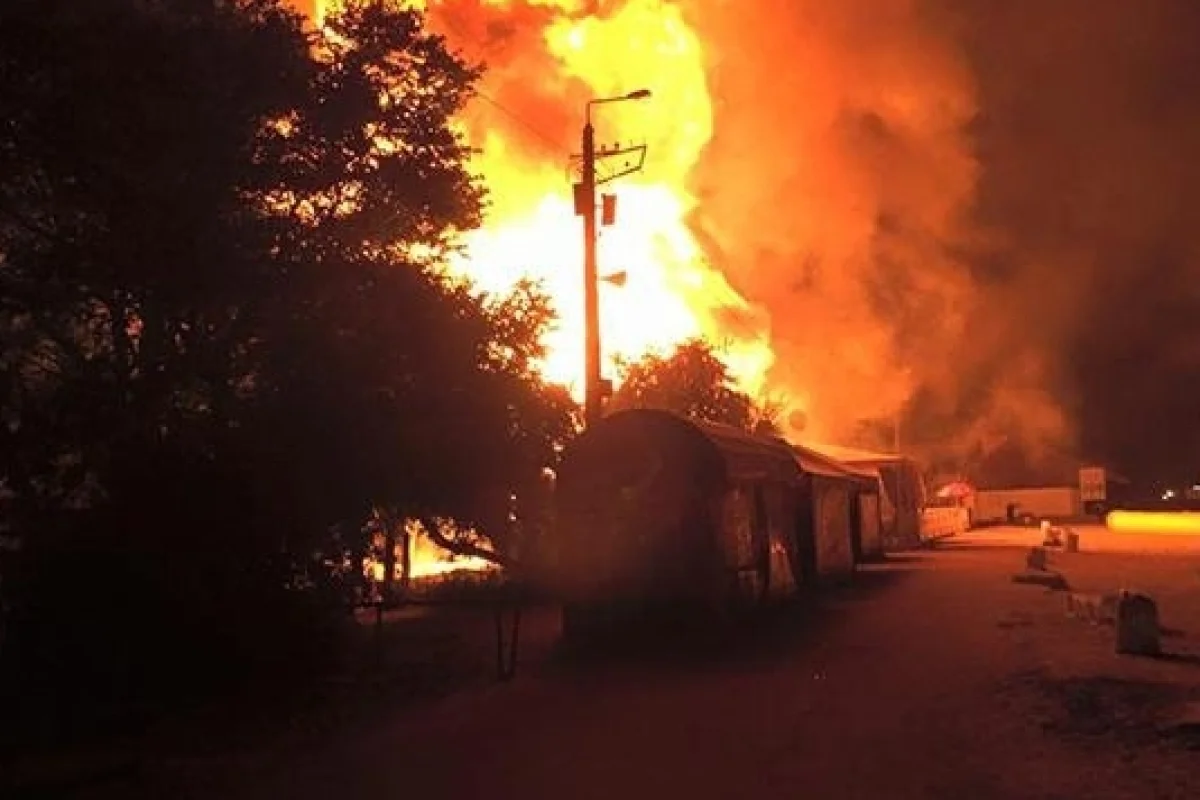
{"x": 506, "y": 651}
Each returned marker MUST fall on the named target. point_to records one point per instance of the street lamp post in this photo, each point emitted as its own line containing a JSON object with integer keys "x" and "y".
{"x": 592, "y": 400}
{"x": 585, "y": 205}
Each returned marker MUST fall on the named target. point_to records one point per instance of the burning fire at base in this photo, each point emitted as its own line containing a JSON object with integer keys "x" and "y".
{"x": 670, "y": 292}
{"x": 427, "y": 561}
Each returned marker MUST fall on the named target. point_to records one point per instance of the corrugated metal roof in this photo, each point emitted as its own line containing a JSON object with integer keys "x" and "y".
{"x": 744, "y": 451}
{"x": 864, "y": 471}
{"x": 808, "y": 459}
{"x": 853, "y": 455}
{"x": 753, "y": 451}
{"x": 815, "y": 463}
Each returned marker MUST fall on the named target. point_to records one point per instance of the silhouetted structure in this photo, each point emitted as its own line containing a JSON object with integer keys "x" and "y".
{"x": 659, "y": 515}
{"x": 845, "y": 511}
{"x": 902, "y": 482}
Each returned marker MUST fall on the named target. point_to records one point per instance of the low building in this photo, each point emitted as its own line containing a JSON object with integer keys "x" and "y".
{"x": 1011, "y": 505}
{"x": 1062, "y": 490}
{"x": 903, "y": 487}
{"x": 828, "y": 529}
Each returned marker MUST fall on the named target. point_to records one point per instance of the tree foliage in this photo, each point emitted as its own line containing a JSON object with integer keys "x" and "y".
{"x": 693, "y": 381}
{"x": 227, "y": 325}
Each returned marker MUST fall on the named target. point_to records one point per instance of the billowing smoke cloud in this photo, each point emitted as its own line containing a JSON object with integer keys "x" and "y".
{"x": 1088, "y": 135}
{"x": 838, "y": 190}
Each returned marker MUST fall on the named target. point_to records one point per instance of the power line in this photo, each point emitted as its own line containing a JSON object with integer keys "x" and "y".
{"x": 538, "y": 133}
{"x": 553, "y": 147}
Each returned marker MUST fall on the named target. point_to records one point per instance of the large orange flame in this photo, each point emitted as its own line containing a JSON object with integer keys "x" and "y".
{"x": 819, "y": 151}
{"x": 427, "y": 560}
{"x": 670, "y": 292}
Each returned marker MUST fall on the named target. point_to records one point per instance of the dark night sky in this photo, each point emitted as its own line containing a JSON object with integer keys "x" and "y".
{"x": 1089, "y": 136}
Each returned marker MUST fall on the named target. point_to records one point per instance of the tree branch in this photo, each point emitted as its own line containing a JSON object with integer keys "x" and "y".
{"x": 434, "y": 531}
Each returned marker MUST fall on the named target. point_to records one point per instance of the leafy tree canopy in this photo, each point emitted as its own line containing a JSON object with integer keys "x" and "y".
{"x": 693, "y": 381}
{"x": 225, "y": 319}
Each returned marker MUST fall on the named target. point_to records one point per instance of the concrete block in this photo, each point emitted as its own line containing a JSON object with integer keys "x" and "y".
{"x": 1137, "y": 625}
{"x": 1051, "y": 535}
{"x": 1072, "y": 541}
{"x": 1093, "y": 608}
{"x": 1036, "y": 559}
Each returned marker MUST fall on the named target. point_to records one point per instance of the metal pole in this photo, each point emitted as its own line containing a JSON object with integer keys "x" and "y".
{"x": 591, "y": 289}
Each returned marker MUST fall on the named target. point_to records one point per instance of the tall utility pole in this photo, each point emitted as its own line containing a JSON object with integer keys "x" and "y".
{"x": 592, "y": 399}
{"x": 585, "y": 206}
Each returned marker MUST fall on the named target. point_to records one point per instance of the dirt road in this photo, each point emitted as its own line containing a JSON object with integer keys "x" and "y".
{"x": 934, "y": 676}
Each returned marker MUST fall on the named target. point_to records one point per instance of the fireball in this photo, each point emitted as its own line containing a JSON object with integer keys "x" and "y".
{"x": 546, "y": 59}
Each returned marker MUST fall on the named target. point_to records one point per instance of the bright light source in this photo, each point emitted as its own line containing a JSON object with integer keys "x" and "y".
{"x": 1179, "y": 523}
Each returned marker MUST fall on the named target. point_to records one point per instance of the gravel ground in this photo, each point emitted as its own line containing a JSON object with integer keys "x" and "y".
{"x": 934, "y": 676}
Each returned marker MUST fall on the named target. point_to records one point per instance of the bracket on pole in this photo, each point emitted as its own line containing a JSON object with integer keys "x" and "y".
{"x": 631, "y": 166}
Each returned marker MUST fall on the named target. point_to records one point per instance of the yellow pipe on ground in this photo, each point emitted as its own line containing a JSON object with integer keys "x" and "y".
{"x": 1176, "y": 523}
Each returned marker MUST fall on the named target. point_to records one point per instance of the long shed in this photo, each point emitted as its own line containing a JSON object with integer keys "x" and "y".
{"x": 902, "y": 483}
{"x": 654, "y": 510}
{"x": 828, "y": 497}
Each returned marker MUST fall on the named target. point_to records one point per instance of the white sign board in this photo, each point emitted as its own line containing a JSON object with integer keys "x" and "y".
{"x": 1092, "y": 484}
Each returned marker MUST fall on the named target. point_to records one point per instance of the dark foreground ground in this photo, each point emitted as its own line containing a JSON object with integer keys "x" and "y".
{"x": 933, "y": 676}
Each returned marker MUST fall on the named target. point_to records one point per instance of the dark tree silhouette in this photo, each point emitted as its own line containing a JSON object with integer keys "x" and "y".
{"x": 427, "y": 396}
{"x": 228, "y": 331}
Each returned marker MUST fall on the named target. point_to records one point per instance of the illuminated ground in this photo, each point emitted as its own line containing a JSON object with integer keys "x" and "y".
{"x": 1098, "y": 538}
{"x": 935, "y": 677}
